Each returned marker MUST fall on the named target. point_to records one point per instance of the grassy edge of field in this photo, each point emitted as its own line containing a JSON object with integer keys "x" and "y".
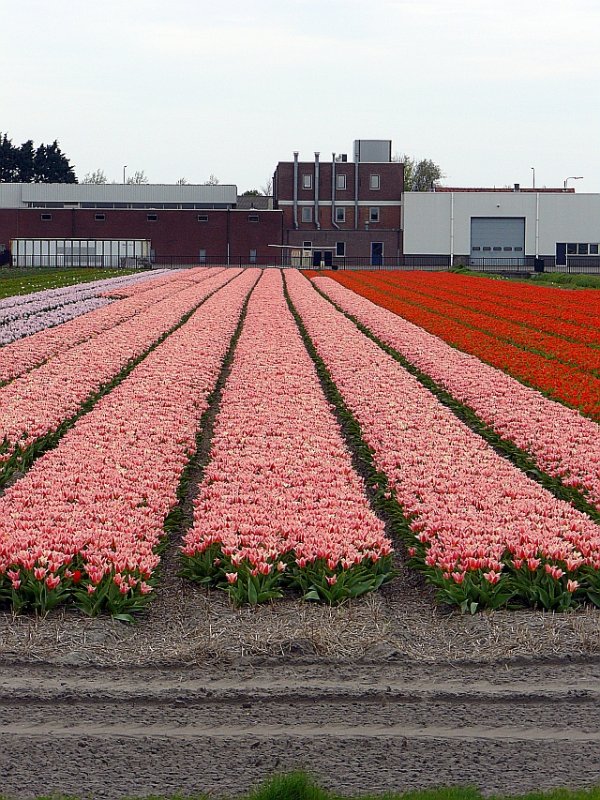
{"x": 299, "y": 786}
{"x": 18, "y": 281}
{"x": 551, "y": 279}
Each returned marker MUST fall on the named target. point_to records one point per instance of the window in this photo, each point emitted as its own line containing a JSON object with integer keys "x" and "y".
{"x": 374, "y": 181}
{"x": 518, "y": 249}
{"x": 477, "y": 249}
{"x": 46, "y": 217}
{"x": 307, "y": 245}
{"x": 593, "y": 249}
{"x": 508, "y": 249}
{"x": 152, "y": 217}
{"x": 497, "y": 248}
{"x": 202, "y": 256}
{"x": 307, "y": 214}
{"x": 100, "y": 217}
{"x": 582, "y": 249}
{"x": 252, "y": 217}
{"x": 340, "y": 249}
{"x": 202, "y": 217}
{"x": 571, "y": 249}
{"x": 486, "y": 249}
{"x": 340, "y": 181}
{"x": 374, "y": 214}
{"x": 307, "y": 181}
{"x": 253, "y": 256}
{"x": 340, "y": 214}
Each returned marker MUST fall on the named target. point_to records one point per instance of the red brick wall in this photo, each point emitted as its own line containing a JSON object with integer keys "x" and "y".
{"x": 387, "y": 199}
{"x": 173, "y": 233}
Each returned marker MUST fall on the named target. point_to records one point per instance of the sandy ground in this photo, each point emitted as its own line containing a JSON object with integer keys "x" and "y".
{"x": 387, "y": 692}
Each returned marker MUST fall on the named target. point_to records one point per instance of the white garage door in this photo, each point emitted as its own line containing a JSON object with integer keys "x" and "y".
{"x": 497, "y": 241}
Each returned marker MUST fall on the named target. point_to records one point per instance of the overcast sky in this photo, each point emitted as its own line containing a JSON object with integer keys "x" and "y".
{"x": 186, "y": 88}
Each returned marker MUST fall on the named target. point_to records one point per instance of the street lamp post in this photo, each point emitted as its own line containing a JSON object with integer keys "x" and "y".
{"x": 533, "y": 170}
{"x": 572, "y": 178}
{"x": 124, "y": 168}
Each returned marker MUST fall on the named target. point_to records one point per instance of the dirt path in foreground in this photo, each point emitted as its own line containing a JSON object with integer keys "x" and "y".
{"x": 111, "y": 732}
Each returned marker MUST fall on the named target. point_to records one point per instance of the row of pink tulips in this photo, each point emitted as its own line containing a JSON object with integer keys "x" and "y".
{"x": 280, "y": 502}
{"x": 37, "y": 403}
{"x": 24, "y": 355}
{"x": 84, "y": 523}
{"x": 482, "y": 530}
{"x": 153, "y": 282}
{"x": 564, "y": 444}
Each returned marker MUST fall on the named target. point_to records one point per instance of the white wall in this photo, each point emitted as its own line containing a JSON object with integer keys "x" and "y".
{"x": 428, "y": 223}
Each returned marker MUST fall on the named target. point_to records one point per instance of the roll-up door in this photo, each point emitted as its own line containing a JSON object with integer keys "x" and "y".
{"x": 497, "y": 241}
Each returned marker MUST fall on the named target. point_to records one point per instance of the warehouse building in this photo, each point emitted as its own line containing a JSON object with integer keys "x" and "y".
{"x": 118, "y": 224}
{"x": 505, "y": 229}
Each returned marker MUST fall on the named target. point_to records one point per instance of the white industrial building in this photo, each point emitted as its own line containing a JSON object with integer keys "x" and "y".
{"x": 486, "y": 228}
{"x": 117, "y": 195}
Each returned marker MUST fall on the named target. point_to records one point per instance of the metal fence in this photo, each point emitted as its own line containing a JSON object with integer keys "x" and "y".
{"x": 78, "y": 261}
{"x": 524, "y": 264}
{"x": 577, "y": 265}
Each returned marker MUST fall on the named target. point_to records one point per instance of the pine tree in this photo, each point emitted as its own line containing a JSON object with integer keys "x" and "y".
{"x": 52, "y": 166}
{"x": 8, "y": 160}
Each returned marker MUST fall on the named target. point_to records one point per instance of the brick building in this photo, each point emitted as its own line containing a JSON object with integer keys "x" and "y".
{"x": 343, "y": 209}
{"x": 107, "y": 224}
{"x": 343, "y": 212}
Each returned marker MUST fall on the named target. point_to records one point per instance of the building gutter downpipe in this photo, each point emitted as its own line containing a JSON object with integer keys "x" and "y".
{"x": 296, "y": 190}
{"x": 356, "y": 165}
{"x": 537, "y": 224}
{"x": 333, "y": 222}
{"x": 451, "y": 229}
{"x": 317, "y": 223}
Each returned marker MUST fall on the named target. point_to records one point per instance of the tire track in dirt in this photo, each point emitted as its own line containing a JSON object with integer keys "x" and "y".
{"x": 114, "y": 732}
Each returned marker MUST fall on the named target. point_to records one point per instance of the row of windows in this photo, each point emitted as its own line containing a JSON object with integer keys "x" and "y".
{"x": 496, "y": 249}
{"x": 151, "y": 217}
{"x": 135, "y": 206}
{"x": 340, "y": 214}
{"x": 340, "y": 181}
{"x": 582, "y": 249}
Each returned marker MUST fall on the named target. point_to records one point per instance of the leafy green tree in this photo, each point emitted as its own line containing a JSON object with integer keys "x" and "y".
{"x": 420, "y": 176}
{"x": 251, "y": 193}
{"x": 426, "y": 175}
{"x": 212, "y": 180}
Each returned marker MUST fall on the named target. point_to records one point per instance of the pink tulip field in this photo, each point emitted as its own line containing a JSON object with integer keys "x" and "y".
{"x": 34, "y": 405}
{"x": 85, "y": 522}
{"x": 323, "y": 441}
{"x": 481, "y": 530}
{"x": 26, "y": 314}
{"x": 280, "y": 503}
{"x": 563, "y": 442}
{"x": 25, "y": 354}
